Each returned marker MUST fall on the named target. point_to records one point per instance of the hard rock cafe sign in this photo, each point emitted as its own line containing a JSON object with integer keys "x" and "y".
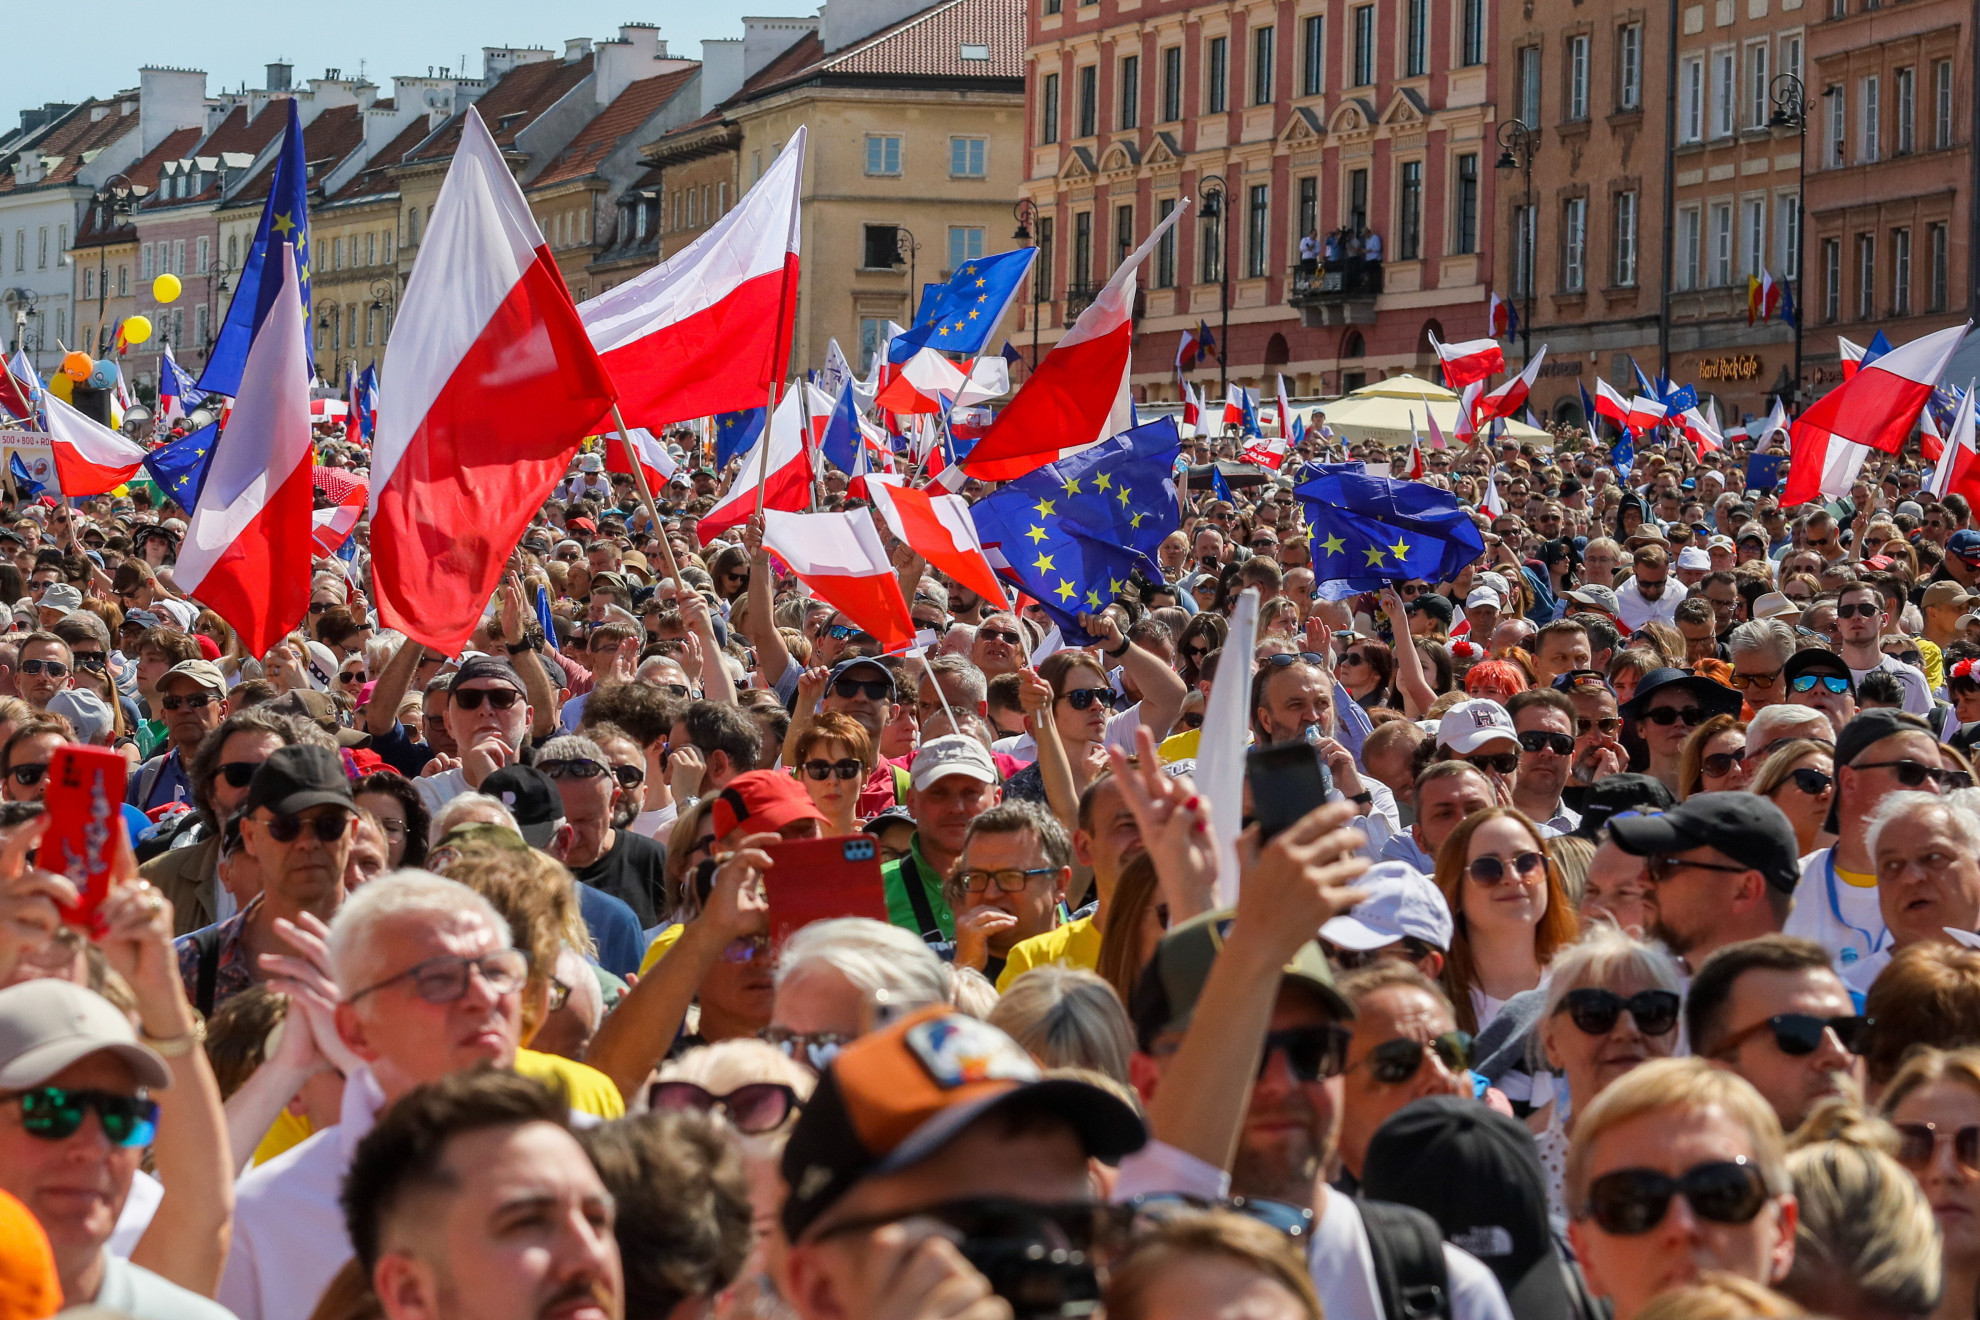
{"x": 1739, "y": 366}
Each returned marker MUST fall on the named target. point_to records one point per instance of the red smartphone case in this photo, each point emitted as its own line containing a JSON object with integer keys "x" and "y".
{"x": 818, "y": 879}
{"x": 84, "y": 805}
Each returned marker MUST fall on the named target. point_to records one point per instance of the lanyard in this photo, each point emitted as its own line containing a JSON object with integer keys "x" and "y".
{"x": 1835, "y": 906}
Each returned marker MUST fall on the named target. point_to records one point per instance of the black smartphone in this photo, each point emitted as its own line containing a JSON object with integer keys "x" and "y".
{"x": 1288, "y": 780}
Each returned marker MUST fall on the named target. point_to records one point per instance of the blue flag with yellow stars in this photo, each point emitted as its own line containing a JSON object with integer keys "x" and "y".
{"x": 961, "y": 316}
{"x": 284, "y": 219}
{"x": 180, "y": 467}
{"x": 735, "y": 432}
{"x": 1367, "y": 531}
{"x": 25, "y": 486}
{"x": 1071, "y": 533}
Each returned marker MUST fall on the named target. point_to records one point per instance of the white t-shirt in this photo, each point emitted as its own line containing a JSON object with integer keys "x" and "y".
{"x": 1917, "y": 688}
{"x": 1120, "y": 733}
{"x": 1841, "y": 917}
{"x": 1635, "y": 611}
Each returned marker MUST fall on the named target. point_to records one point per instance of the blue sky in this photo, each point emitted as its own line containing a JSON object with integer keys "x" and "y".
{"x": 233, "y": 39}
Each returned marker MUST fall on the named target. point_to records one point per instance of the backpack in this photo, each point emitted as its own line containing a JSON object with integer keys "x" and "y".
{"x": 1411, "y": 1278}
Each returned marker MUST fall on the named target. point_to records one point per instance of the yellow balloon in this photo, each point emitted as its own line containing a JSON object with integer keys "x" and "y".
{"x": 165, "y": 288}
{"x": 62, "y": 386}
{"x": 137, "y": 329}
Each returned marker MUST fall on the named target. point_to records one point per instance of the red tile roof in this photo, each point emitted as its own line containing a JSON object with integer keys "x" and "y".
{"x": 510, "y": 106}
{"x": 144, "y": 174}
{"x": 928, "y": 44}
{"x": 236, "y": 133}
{"x": 76, "y": 136}
{"x": 375, "y": 179}
{"x": 327, "y": 139}
{"x": 633, "y": 107}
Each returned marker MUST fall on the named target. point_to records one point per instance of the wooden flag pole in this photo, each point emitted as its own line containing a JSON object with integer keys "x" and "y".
{"x": 763, "y": 447}
{"x": 646, "y": 495}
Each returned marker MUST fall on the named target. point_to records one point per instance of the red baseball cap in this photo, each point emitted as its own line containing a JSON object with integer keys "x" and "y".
{"x": 763, "y": 801}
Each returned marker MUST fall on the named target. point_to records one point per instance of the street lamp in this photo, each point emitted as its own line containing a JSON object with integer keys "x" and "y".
{"x": 23, "y": 300}
{"x": 1517, "y": 143}
{"x": 1211, "y": 188}
{"x": 1791, "y": 111}
{"x": 904, "y": 249}
{"x": 1026, "y": 212}
{"x": 115, "y": 200}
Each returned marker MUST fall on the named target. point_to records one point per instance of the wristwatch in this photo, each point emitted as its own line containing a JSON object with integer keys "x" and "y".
{"x": 517, "y": 648}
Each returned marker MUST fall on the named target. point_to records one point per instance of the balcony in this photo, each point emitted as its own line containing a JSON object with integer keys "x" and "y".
{"x": 1078, "y": 298}
{"x": 1342, "y": 293}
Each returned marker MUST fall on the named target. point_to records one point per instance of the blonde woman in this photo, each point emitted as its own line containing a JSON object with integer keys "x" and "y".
{"x": 1934, "y": 1103}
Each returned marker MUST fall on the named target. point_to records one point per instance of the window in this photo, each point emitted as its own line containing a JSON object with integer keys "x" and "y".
{"x": 1130, "y": 115}
{"x": 1791, "y": 55}
{"x": 234, "y": 250}
{"x": 1210, "y": 248}
{"x": 1720, "y": 270}
{"x": 966, "y": 157}
{"x": 1529, "y": 86}
{"x": 178, "y": 256}
{"x": 1866, "y": 276}
{"x": 1464, "y": 222}
{"x": 1755, "y": 237}
{"x": 1935, "y": 243}
{"x": 370, "y": 325}
{"x": 20, "y": 249}
{"x": 965, "y": 245}
{"x": 1691, "y": 100}
{"x": 1577, "y": 77}
{"x": 1838, "y": 126}
{"x": 123, "y": 281}
{"x": 872, "y": 329}
{"x": 1725, "y": 93}
{"x": 1216, "y": 58}
{"x": 1165, "y": 251}
{"x": 1089, "y": 100}
{"x": 1629, "y": 66}
{"x": 1625, "y": 273}
{"x": 1309, "y": 208}
{"x": 144, "y": 256}
{"x": 1574, "y": 244}
{"x": 1172, "y": 76}
{"x": 1907, "y": 110}
{"x": 89, "y": 282}
{"x": 1942, "y": 97}
{"x": 1831, "y": 279}
{"x": 1042, "y": 268}
{"x": 1048, "y": 109}
{"x": 1760, "y": 108}
{"x": 1364, "y": 45}
{"x": 1409, "y": 211}
{"x": 1082, "y": 253}
{"x": 1872, "y": 118}
{"x": 1901, "y": 272}
{"x": 881, "y": 247}
{"x": 1788, "y": 208}
{"x": 1257, "y": 217}
{"x": 1312, "y": 55}
{"x": 1473, "y": 35}
{"x": 1522, "y": 281}
{"x": 1261, "y": 65}
{"x": 883, "y": 156}
{"x": 1123, "y": 234}
{"x": 1416, "y": 38}
{"x": 1358, "y": 199}
{"x": 41, "y": 248}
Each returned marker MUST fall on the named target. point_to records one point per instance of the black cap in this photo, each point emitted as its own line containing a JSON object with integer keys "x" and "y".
{"x": 1715, "y": 697}
{"x": 1746, "y": 827}
{"x": 1874, "y": 726}
{"x": 295, "y": 779}
{"x": 1814, "y": 660}
{"x": 1617, "y": 793}
{"x": 486, "y": 666}
{"x": 1477, "y": 1173}
{"x": 531, "y": 797}
{"x": 1431, "y": 603}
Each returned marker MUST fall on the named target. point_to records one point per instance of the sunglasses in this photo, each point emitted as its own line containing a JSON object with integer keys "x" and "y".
{"x": 238, "y": 774}
{"x": 1087, "y": 698}
{"x": 847, "y": 769}
{"x": 1000, "y": 635}
{"x": 1800, "y": 1034}
{"x": 1354, "y": 658}
{"x": 1312, "y": 1053}
{"x": 444, "y": 979}
{"x": 1812, "y": 782}
{"x": 94, "y": 661}
{"x": 1914, "y": 774}
{"x": 1745, "y": 681}
{"x": 349, "y": 678}
{"x": 629, "y": 776}
{"x": 1193, "y": 720}
{"x": 754, "y": 1108}
{"x": 878, "y": 689}
{"x": 27, "y": 776}
{"x": 842, "y": 632}
{"x": 1504, "y": 763}
{"x": 1394, "y": 1062}
{"x": 573, "y": 769}
{"x": 1919, "y": 1142}
{"x": 1489, "y": 870}
{"x": 1539, "y": 740}
{"x": 1866, "y": 610}
{"x": 1607, "y": 727}
{"x": 1719, "y": 764}
{"x": 190, "y": 701}
{"x": 1807, "y": 682}
{"x": 1631, "y": 1202}
{"x": 52, "y": 668}
{"x": 1595, "y": 1011}
{"x": 1283, "y": 659}
{"x": 55, "y": 1113}
{"x": 503, "y": 698}
{"x": 1666, "y": 716}
{"x": 320, "y": 607}
{"x": 816, "y": 1049}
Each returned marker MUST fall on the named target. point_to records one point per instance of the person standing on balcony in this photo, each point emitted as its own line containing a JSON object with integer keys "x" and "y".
{"x": 1371, "y": 246}
{"x": 1309, "y": 258}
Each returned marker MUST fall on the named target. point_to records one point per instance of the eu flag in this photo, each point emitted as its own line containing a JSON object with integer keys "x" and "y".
{"x": 180, "y": 467}
{"x": 284, "y": 219}
{"x": 25, "y": 485}
{"x": 960, "y": 316}
{"x": 1367, "y": 531}
{"x": 1071, "y": 533}
{"x": 735, "y": 432}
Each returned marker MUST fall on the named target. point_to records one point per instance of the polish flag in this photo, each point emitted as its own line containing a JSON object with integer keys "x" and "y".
{"x": 925, "y": 383}
{"x": 349, "y": 493}
{"x": 490, "y": 386}
{"x": 1285, "y": 411}
{"x": 1436, "y": 431}
{"x": 1234, "y": 406}
{"x": 1467, "y": 415}
{"x": 1929, "y": 440}
{"x": 788, "y": 483}
{"x": 1880, "y": 404}
{"x": 1610, "y": 403}
{"x": 1266, "y": 453}
{"x": 1704, "y": 436}
{"x": 16, "y": 399}
{"x": 939, "y": 529}
{"x": 839, "y": 556}
{"x": 1078, "y": 396}
{"x": 655, "y": 462}
{"x": 1493, "y": 504}
{"x": 1192, "y": 410}
{"x": 1852, "y": 356}
{"x": 1509, "y": 398}
{"x": 1959, "y": 463}
{"x": 248, "y": 543}
{"x": 1413, "y": 466}
{"x": 1821, "y": 464}
{"x": 1646, "y": 415}
{"x": 1474, "y": 359}
{"x": 1500, "y": 319}
{"x": 709, "y": 330}
{"x": 90, "y": 458}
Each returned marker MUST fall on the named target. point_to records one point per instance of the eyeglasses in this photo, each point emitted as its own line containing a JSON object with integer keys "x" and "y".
{"x": 877, "y": 689}
{"x": 754, "y": 1108}
{"x": 1606, "y": 726}
{"x": 1918, "y": 1143}
{"x": 328, "y": 828}
{"x": 1312, "y": 1053}
{"x": 444, "y": 979}
{"x": 1282, "y": 660}
{"x": 815, "y": 1048}
{"x": 1800, "y": 1034}
{"x": 1631, "y": 1202}
{"x": 1666, "y": 716}
{"x": 52, "y": 668}
{"x": 1191, "y": 720}
{"x": 842, "y": 632}
{"x": 1812, "y": 782}
{"x": 1010, "y": 880}
{"x": 1806, "y": 683}
{"x": 847, "y": 769}
{"x": 1719, "y": 764}
{"x": 190, "y": 701}
{"x": 1866, "y": 610}
{"x": 320, "y": 607}
{"x": 1540, "y": 740}
{"x": 502, "y": 698}
{"x": 1745, "y": 681}
{"x": 348, "y": 677}
{"x": 94, "y": 661}
{"x": 1489, "y": 870}
{"x": 1596, "y": 1011}
{"x": 629, "y": 776}
{"x": 1087, "y": 698}
{"x": 1504, "y": 763}
{"x": 55, "y": 1113}
{"x": 578, "y": 768}
{"x": 999, "y": 635}
{"x": 1394, "y": 1062}
{"x": 238, "y": 774}
{"x": 1914, "y": 774}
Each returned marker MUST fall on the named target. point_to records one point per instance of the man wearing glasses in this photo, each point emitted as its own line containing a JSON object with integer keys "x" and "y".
{"x": 428, "y": 984}
{"x": 1009, "y": 884}
{"x": 1722, "y": 868}
{"x": 1760, "y": 651}
{"x": 192, "y": 698}
{"x": 614, "y": 861}
{"x": 1774, "y": 1011}
{"x": 488, "y": 716}
{"x": 1860, "y": 619}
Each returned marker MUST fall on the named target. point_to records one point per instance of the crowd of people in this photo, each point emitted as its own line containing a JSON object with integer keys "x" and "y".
{"x": 1626, "y": 965}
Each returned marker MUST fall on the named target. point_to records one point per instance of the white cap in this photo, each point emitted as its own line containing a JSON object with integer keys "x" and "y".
{"x": 1481, "y": 596}
{"x": 1402, "y": 901}
{"x": 952, "y": 754}
{"x": 1693, "y": 557}
{"x": 1471, "y": 724}
{"x": 1497, "y": 581}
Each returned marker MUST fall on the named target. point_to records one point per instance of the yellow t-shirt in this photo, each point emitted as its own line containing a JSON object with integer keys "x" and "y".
{"x": 588, "y": 1090}
{"x": 289, "y": 1130}
{"x": 1075, "y": 944}
{"x": 1179, "y": 746}
{"x": 1935, "y": 663}
{"x": 657, "y": 950}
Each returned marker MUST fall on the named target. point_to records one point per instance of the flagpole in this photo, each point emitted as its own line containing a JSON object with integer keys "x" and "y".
{"x": 646, "y": 495}
{"x": 763, "y": 446}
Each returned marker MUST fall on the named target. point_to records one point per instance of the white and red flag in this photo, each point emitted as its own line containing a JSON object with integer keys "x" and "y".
{"x": 1467, "y": 414}
{"x": 1413, "y": 466}
{"x": 1078, "y": 396}
{"x": 708, "y": 330}
{"x": 656, "y": 464}
{"x": 1509, "y": 398}
{"x": 939, "y": 529}
{"x": 349, "y": 494}
{"x": 1880, "y": 404}
{"x": 1958, "y": 470}
{"x": 1192, "y": 411}
{"x": 1646, "y": 415}
{"x": 1851, "y": 355}
{"x": 1474, "y": 359}
{"x": 248, "y": 543}
{"x": 1704, "y": 436}
{"x": 839, "y": 556}
{"x": 490, "y": 385}
{"x": 1610, "y": 403}
{"x": 90, "y": 458}
{"x": 1492, "y": 502}
{"x": 786, "y": 473}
